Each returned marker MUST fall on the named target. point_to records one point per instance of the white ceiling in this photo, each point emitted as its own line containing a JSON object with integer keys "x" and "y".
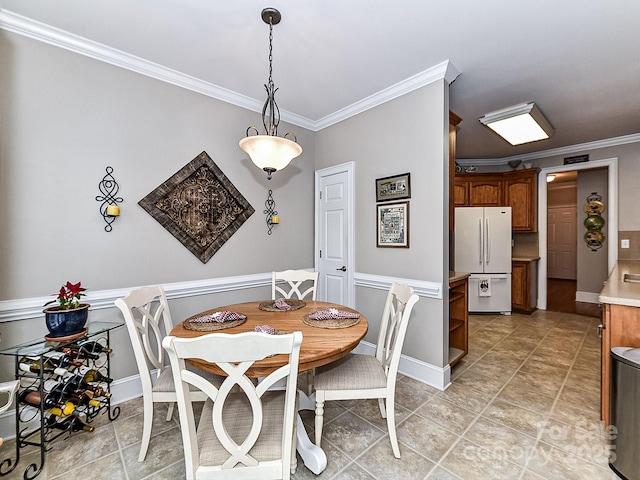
{"x": 578, "y": 61}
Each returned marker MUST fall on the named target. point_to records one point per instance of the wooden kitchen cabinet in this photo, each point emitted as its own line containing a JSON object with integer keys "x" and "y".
{"x": 521, "y": 194}
{"x": 620, "y": 328}
{"x": 517, "y": 189}
{"x": 524, "y": 285}
{"x": 454, "y": 120}
{"x": 458, "y": 320}
{"x": 486, "y": 192}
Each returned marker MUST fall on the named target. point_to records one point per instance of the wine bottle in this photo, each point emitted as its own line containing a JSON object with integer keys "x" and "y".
{"x": 74, "y": 351}
{"x": 49, "y": 403}
{"x": 94, "y": 347}
{"x": 94, "y": 391}
{"x": 93, "y": 375}
{"x": 30, "y": 364}
{"x": 78, "y": 384}
{"x": 75, "y": 424}
{"x": 64, "y": 360}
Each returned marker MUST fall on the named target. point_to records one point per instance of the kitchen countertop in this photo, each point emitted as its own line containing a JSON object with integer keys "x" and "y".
{"x": 525, "y": 259}
{"x": 618, "y": 292}
{"x": 455, "y": 276}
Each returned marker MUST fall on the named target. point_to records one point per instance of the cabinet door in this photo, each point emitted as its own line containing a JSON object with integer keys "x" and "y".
{"x": 520, "y": 286}
{"x": 460, "y": 193}
{"x": 521, "y": 195}
{"x": 485, "y": 193}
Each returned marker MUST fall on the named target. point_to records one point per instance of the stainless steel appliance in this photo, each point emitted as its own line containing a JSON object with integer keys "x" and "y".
{"x": 483, "y": 248}
{"x": 625, "y": 412}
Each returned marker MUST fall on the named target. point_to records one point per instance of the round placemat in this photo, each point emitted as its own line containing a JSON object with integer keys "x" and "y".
{"x": 331, "y": 323}
{"x": 269, "y": 306}
{"x": 211, "y": 326}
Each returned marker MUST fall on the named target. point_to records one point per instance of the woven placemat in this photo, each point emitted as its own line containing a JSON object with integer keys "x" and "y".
{"x": 211, "y": 326}
{"x": 331, "y": 323}
{"x": 269, "y": 306}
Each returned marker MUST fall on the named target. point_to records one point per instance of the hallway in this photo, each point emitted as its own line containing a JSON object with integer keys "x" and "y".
{"x": 561, "y": 296}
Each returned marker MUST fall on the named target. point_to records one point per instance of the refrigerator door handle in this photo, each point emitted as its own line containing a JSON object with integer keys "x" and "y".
{"x": 488, "y": 242}
{"x": 480, "y": 238}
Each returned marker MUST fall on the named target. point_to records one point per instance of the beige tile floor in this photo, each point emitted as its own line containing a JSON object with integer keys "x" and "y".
{"x": 523, "y": 406}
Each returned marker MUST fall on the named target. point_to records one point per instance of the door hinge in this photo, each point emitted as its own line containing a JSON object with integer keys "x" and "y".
{"x": 320, "y": 194}
{"x": 320, "y": 253}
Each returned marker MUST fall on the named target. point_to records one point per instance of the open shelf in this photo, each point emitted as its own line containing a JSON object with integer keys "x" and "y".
{"x": 455, "y": 354}
{"x": 455, "y": 323}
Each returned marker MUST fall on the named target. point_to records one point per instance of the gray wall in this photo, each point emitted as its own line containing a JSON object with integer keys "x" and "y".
{"x": 408, "y": 134}
{"x": 66, "y": 117}
{"x": 592, "y": 265}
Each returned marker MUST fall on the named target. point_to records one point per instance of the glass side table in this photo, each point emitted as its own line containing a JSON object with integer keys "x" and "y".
{"x": 63, "y": 387}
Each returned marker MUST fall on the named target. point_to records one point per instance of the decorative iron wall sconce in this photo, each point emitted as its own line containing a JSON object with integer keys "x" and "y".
{"x": 270, "y": 212}
{"x": 109, "y": 208}
{"x": 594, "y": 207}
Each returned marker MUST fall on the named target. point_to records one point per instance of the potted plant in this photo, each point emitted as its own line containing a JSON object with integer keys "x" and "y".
{"x": 69, "y": 316}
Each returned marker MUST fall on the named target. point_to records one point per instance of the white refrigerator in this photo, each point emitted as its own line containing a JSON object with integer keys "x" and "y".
{"x": 483, "y": 248}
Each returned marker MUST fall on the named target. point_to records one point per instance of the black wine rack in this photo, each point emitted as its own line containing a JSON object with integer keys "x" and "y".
{"x": 37, "y": 423}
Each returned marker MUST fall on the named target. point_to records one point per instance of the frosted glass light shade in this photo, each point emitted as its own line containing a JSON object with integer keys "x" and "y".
{"x": 519, "y": 124}
{"x": 270, "y": 153}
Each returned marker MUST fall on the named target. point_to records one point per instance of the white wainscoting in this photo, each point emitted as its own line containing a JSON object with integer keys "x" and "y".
{"x": 125, "y": 389}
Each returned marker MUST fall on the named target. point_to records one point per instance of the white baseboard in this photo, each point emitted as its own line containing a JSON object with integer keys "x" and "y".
{"x": 438, "y": 377}
{"x": 587, "y": 297}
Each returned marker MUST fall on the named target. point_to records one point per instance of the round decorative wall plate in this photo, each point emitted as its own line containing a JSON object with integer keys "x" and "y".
{"x": 593, "y": 207}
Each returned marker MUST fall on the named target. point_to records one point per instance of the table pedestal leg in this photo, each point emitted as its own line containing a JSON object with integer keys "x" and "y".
{"x": 313, "y": 456}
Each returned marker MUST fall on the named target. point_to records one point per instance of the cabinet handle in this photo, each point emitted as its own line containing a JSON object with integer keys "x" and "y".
{"x": 599, "y": 329}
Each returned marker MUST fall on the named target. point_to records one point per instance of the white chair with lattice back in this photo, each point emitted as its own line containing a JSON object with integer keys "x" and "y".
{"x": 10, "y": 389}
{"x": 289, "y": 284}
{"x": 146, "y": 314}
{"x": 246, "y": 430}
{"x": 366, "y": 376}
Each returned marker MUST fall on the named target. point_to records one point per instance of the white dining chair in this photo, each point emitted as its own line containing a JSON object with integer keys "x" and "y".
{"x": 357, "y": 376}
{"x": 289, "y": 284}
{"x": 246, "y": 430}
{"x": 10, "y": 389}
{"x": 146, "y": 314}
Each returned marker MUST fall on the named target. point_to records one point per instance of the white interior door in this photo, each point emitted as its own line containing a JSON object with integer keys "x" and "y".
{"x": 334, "y": 234}
{"x": 561, "y": 242}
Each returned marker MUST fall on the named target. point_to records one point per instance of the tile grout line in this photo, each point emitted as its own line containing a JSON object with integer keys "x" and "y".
{"x": 461, "y": 436}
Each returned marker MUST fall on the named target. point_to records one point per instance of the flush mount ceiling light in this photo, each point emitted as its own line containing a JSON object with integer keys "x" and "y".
{"x": 519, "y": 124}
{"x": 270, "y": 152}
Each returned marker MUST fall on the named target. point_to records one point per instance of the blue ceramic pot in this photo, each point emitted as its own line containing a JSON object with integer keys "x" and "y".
{"x": 62, "y": 323}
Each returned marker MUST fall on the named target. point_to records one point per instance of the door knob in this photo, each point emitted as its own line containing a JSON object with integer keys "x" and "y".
{"x": 343, "y": 269}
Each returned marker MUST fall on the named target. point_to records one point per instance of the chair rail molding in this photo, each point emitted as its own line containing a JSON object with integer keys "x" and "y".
{"x": 22, "y": 309}
{"x": 382, "y": 282}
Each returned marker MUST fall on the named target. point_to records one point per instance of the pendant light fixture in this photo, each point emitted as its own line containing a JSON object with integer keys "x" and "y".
{"x": 270, "y": 152}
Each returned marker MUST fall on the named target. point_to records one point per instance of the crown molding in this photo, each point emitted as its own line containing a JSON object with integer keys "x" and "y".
{"x": 42, "y": 32}
{"x": 579, "y": 147}
{"x": 444, "y": 70}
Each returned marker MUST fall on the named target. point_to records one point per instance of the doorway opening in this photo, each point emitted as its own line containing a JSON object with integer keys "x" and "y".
{"x": 611, "y": 166}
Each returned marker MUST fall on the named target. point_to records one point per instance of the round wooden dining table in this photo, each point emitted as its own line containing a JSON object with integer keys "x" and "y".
{"x": 320, "y": 346}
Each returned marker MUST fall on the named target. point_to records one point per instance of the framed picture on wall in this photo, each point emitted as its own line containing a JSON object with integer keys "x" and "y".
{"x": 393, "y": 225}
{"x": 393, "y": 188}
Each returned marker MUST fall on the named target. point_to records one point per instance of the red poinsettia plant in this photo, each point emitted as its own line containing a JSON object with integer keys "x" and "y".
{"x": 69, "y": 296}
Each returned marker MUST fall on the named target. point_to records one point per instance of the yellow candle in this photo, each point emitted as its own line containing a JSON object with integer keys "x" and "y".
{"x": 275, "y": 219}
{"x": 113, "y": 210}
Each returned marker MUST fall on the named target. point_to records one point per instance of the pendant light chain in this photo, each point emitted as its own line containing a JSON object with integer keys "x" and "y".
{"x": 270, "y": 110}
{"x": 270, "y": 152}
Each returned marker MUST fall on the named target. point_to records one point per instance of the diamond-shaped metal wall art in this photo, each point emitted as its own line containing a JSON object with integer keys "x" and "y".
{"x": 199, "y": 206}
